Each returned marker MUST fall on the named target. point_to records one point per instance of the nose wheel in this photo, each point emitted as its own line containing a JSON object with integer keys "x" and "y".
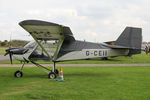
{"x": 18, "y": 74}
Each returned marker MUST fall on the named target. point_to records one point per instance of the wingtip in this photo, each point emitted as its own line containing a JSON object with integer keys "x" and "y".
{"x": 37, "y": 22}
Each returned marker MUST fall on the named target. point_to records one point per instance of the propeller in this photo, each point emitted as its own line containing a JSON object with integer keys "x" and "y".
{"x": 8, "y": 51}
{"x": 10, "y": 56}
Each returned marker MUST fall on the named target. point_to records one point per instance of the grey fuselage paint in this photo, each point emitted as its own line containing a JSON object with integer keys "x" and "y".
{"x": 82, "y": 50}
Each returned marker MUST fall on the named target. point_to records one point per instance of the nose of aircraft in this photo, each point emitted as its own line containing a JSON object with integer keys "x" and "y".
{"x": 17, "y": 51}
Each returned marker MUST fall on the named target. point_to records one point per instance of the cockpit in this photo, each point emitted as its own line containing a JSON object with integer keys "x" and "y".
{"x": 37, "y": 53}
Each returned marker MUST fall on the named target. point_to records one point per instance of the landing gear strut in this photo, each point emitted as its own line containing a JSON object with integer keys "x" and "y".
{"x": 19, "y": 73}
{"x": 54, "y": 68}
{"x": 54, "y": 72}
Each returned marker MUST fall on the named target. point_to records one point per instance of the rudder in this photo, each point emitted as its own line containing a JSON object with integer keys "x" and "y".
{"x": 131, "y": 38}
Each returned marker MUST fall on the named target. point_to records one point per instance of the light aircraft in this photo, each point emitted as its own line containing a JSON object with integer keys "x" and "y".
{"x": 56, "y": 43}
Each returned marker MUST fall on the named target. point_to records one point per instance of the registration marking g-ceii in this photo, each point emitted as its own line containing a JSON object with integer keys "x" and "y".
{"x": 96, "y": 52}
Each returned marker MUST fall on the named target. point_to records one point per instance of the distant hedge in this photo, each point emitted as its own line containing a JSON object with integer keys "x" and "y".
{"x": 13, "y": 43}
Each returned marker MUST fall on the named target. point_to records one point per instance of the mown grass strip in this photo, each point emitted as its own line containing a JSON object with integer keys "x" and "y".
{"x": 81, "y": 83}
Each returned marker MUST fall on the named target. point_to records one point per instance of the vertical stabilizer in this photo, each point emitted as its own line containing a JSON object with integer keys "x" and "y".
{"x": 131, "y": 38}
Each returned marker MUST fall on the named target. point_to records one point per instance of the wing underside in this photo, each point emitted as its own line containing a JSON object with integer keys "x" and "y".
{"x": 46, "y": 31}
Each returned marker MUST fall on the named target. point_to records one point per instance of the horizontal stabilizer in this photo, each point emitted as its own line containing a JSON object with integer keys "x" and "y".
{"x": 114, "y": 46}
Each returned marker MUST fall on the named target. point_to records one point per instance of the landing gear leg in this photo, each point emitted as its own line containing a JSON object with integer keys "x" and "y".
{"x": 53, "y": 74}
{"x": 55, "y": 70}
{"x": 19, "y": 73}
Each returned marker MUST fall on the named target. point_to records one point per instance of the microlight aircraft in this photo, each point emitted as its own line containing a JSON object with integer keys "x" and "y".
{"x": 56, "y": 43}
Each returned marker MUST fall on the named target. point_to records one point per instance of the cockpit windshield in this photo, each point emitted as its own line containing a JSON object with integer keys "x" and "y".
{"x": 39, "y": 54}
{"x": 30, "y": 45}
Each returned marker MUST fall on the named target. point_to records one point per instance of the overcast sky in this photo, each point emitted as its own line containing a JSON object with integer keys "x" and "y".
{"x": 90, "y": 20}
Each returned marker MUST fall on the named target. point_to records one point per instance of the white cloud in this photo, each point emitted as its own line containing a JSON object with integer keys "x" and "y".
{"x": 101, "y": 20}
{"x": 33, "y": 12}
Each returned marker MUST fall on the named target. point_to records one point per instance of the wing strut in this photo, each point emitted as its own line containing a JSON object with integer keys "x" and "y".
{"x": 41, "y": 46}
{"x": 61, "y": 39}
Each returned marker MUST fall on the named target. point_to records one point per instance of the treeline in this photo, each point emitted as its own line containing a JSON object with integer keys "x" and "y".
{"x": 13, "y": 43}
{"x": 145, "y": 42}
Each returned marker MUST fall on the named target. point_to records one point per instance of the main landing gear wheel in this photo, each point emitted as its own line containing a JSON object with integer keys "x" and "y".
{"x": 52, "y": 75}
{"x": 18, "y": 74}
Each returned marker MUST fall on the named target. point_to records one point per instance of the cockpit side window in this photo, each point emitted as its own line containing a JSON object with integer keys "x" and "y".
{"x": 50, "y": 46}
{"x": 39, "y": 54}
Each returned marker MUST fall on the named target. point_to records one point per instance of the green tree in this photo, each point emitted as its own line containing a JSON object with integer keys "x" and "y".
{"x": 5, "y": 43}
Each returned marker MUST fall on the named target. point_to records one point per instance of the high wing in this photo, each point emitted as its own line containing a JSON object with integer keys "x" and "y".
{"x": 44, "y": 31}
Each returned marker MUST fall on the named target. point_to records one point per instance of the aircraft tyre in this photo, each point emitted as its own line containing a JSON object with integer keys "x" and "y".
{"x": 104, "y": 58}
{"x": 52, "y": 75}
{"x": 18, "y": 74}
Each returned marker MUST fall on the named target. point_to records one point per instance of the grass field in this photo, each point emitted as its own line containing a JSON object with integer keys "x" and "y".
{"x": 81, "y": 83}
{"x": 2, "y": 50}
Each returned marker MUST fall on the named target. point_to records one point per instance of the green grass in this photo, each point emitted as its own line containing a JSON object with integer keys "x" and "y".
{"x": 2, "y": 50}
{"x": 81, "y": 83}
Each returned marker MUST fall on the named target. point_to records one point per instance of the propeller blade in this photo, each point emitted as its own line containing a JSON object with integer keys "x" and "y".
{"x": 10, "y": 55}
{"x": 10, "y": 41}
{"x": 6, "y": 53}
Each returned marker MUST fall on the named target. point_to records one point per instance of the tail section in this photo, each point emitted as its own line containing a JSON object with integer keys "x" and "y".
{"x": 131, "y": 38}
